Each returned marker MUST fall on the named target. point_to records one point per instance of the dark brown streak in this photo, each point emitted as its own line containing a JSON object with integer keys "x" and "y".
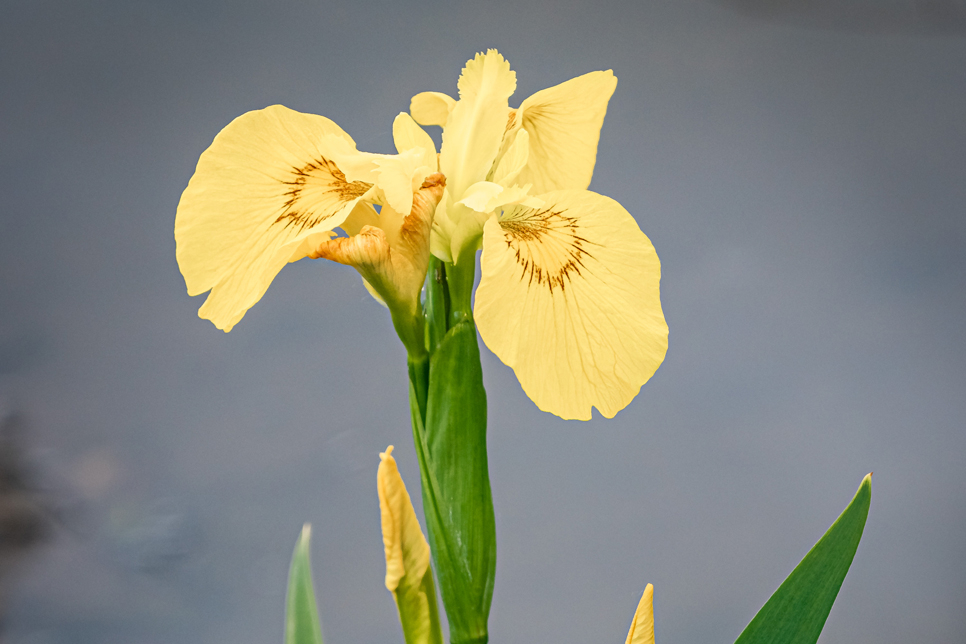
{"x": 324, "y": 175}
{"x": 532, "y": 227}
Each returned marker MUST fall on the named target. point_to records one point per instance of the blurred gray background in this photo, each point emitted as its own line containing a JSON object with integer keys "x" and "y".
{"x": 800, "y": 168}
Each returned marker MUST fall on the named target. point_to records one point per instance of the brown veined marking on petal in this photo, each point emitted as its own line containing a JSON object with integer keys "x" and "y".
{"x": 322, "y": 174}
{"x": 533, "y": 234}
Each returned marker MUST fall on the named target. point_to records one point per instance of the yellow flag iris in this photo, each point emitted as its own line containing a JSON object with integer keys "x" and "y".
{"x": 272, "y": 189}
{"x": 569, "y": 295}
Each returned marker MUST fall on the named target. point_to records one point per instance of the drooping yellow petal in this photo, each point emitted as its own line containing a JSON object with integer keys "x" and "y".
{"x": 431, "y": 108}
{"x": 642, "y": 627}
{"x": 266, "y": 184}
{"x": 564, "y": 125}
{"x": 475, "y": 127}
{"x": 569, "y": 298}
{"x": 408, "y": 575}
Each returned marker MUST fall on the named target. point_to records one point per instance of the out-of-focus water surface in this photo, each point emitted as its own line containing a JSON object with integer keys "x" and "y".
{"x": 800, "y": 168}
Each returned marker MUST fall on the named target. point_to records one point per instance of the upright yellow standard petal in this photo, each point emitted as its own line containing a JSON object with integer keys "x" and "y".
{"x": 408, "y": 575}
{"x": 564, "y": 124}
{"x": 642, "y": 628}
{"x": 475, "y": 127}
{"x": 407, "y": 135}
{"x": 265, "y": 186}
{"x": 431, "y": 108}
{"x": 570, "y": 299}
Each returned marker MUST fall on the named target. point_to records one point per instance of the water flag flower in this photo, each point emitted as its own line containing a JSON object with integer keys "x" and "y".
{"x": 272, "y": 187}
{"x": 569, "y": 295}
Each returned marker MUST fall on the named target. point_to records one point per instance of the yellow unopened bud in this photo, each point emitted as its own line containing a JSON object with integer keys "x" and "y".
{"x": 408, "y": 575}
{"x": 407, "y": 552}
{"x": 642, "y": 628}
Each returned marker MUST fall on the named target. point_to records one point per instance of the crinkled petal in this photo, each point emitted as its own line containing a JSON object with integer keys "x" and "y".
{"x": 431, "y": 108}
{"x": 266, "y": 184}
{"x": 642, "y": 627}
{"x": 474, "y": 130}
{"x": 569, "y": 298}
{"x": 564, "y": 125}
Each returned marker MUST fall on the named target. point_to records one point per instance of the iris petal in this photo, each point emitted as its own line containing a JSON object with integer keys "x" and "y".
{"x": 265, "y": 185}
{"x": 569, "y": 298}
{"x": 564, "y": 124}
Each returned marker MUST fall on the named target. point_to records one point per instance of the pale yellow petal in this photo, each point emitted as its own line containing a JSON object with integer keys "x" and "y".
{"x": 564, "y": 125}
{"x": 474, "y": 130}
{"x": 467, "y": 232}
{"x": 431, "y": 108}
{"x": 513, "y": 160}
{"x": 642, "y": 628}
{"x": 399, "y": 176}
{"x": 486, "y": 196}
{"x": 407, "y": 552}
{"x": 362, "y": 215}
{"x": 443, "y": 229}
{"x": 395, "y": 176}
{"x": 480, "y": 194}
{"x": 407, "y": 135}
{"x": 569, "y": 298}
{"x": 265, "y": 184}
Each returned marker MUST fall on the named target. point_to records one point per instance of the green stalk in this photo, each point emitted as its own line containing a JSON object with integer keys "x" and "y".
{"x": 448, "y": 405}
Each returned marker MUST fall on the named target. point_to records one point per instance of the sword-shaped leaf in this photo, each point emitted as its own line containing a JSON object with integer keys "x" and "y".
{"x": 796, "y": 613}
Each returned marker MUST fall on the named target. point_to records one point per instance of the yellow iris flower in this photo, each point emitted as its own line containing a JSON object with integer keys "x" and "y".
{"x": 569, "y": 294}
{"x": 569, "y": 291}
{"x": 274, "y": 186}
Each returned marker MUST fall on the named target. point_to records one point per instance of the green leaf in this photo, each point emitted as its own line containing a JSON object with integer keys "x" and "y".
{"x": 301, "y": 615}
{"x": 457, "y": 502}
{"x": 796, "y": 613}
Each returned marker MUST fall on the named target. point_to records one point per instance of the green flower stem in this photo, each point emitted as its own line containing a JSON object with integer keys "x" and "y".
{"x": 459, "y": 277}
{"x": 448, "y": 407}
{"x": 410, "y": 327}
{"x": 437, "y": 304}
{"x": 419, "y": 382}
